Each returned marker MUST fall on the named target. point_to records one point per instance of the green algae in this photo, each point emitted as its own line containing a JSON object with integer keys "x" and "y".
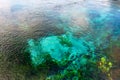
{"x": 69, "y": 56}
{"x": 61, "y": 54}
{"x": 65, "y": 41}
{"x": 58, "y": 47}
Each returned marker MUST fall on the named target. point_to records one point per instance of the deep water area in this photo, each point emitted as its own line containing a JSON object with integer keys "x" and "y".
{"x": 59, "y": 40}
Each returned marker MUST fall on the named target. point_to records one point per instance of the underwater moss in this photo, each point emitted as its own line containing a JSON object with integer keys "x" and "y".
{"x": 65, "y": 41}
{"x": 67, "y": 57}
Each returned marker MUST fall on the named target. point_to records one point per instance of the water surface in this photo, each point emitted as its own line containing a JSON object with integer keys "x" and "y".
{"x": 97, "y": 21}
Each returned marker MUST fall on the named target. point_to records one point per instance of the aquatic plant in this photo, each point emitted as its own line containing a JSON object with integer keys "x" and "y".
{"x": 105, "y": 66}
{"x": 74, "y": 57}
{"x": 68, "y": 57}
{"x": 58, "y": 47}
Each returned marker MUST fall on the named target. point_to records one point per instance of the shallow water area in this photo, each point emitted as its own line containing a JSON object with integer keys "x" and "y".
{"x": 78, "y": 29}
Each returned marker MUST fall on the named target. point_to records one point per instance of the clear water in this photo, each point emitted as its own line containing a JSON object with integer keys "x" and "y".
{"x": 90, "y": 25}
{"x": 66, "y": 30}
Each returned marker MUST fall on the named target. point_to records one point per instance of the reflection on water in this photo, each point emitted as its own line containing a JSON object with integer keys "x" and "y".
{"x": 97, "y": 21}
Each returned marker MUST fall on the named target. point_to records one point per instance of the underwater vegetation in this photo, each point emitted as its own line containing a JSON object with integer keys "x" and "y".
{"x": 68, "y": 57}
{"x": 105, "y": 66}
{"x": 73, "y": 41}
{"x": 76, "y": 57}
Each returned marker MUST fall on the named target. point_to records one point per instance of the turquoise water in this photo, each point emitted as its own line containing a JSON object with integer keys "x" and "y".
{"x": 72, "y": 39}
{"x": 79, "y": 43}
{"x": 104, "y": 26}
